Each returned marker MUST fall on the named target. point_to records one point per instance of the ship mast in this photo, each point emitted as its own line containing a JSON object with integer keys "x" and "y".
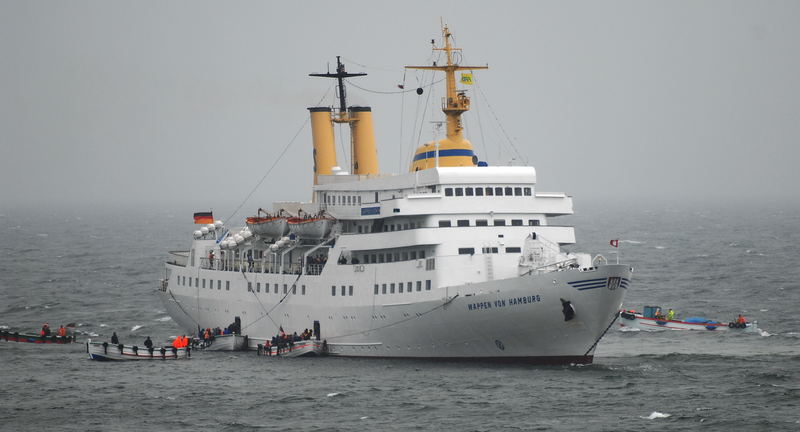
{"x": 456, "y": 102}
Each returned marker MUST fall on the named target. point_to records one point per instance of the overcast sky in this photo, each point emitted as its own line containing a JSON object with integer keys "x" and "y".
{"x": 188, "y": 104}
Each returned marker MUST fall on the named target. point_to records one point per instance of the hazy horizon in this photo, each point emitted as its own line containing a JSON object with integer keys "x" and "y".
{"x": 185, "y": 105}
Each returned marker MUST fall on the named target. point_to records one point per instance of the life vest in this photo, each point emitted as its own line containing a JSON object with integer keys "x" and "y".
{"x": 62, "y": 331}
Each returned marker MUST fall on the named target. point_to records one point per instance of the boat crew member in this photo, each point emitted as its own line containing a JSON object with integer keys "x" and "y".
{"x": 114, "y": 339}
{"x": 176, "y": 343}
{"x": 741, "y": 320}
{"x": 45, "y": 330}
{"x": 62, "y": 332}
{"x": 670, "y": 314}
{"x": 148, "y": 343}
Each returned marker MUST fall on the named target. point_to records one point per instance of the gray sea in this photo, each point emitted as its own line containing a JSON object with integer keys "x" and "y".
{"x": 100, "y": 268}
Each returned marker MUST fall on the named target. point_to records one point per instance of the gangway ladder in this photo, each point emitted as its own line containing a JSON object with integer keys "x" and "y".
{"x": 487, "y": 256}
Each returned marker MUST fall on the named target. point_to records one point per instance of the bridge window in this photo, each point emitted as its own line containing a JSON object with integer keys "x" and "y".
{"x": 376, "y": 289}
{"x": 391, "y": 288}
{"x": 481, "y": 222}
{"x": 350, "y": 290}
{"x": 190, "y": 281}
{"x": 227, "y": 285}
{"x": 258, "y": 287}
{"x": 276, "y": 288}
{"x": 466, "y": 251}
{"x": 517, "y": 191}
{"x": 499, "y": 222}
{"x": 427, "y": 285}
{"x": 444, "y": 223}
{"x": 468, "y": 191}
{"x": 526, "y": 191}
{"x": 516, "y": 222}
{"x": 459, "y": 192}
{"x": 533, "y": 222}
{"x": 383, "y": 288}
{"x": 498, "y": 191}
{"x": 219, "y": 285}
{"x": 333, "y": 290}
{"x": 513, "y": 250}
{"x": 419, "y": 285}
{"x": 343, "y": 290}
{"x": 302, "y": 290}
{"x": 478, "y": 191}
{"x": 463, "y": 222}
{"x": 489, "y": 191}
{"x": 413, "y": 254}
{"x": 448, "y": 191}
{"x": 249, "y": 286}
{"x": 285, "y": 288}
{"x": 400, "y": 288}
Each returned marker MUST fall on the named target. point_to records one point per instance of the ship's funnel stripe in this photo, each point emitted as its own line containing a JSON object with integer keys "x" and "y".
{"x": 444, "y": 153}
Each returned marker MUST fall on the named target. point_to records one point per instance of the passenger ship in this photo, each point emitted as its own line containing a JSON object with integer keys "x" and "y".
{"x": 454, "y": 260}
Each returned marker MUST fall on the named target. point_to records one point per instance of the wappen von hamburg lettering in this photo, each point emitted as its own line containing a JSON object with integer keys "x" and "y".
{"x": 513, "y": 301}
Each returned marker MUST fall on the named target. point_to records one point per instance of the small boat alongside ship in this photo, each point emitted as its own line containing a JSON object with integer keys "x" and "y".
{"x": 651, "y": 320}
{"x": 304, "y": 348}
{"x": 104, "y": 351}
{"x": 227, "y": 342}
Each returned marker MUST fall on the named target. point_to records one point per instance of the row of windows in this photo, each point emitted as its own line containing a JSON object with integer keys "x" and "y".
{"x": 392, "y": 288}
{"x": 351, "y": 200}
{"x": 382, "y": 257}
{"x": 484, "y": 222}
{"x": 348, "y": 291}
{"x": 489, "y": 191}
{"x": 488, "y": 250}
{"x": 266, "y": 288}
{"x": 197, "y": 282}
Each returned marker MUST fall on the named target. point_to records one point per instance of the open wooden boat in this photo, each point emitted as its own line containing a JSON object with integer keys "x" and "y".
{"x": 297, "y": 349}
{"x": 106, "y": 351}
{"x": 8, "y": 336}
{"x": 228, "y": 342}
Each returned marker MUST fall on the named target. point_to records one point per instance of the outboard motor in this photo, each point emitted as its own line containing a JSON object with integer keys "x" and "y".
{"x": 567, "y": 309}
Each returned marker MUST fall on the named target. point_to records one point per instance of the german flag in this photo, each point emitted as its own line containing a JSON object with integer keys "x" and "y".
{"x": 203, "y": 218}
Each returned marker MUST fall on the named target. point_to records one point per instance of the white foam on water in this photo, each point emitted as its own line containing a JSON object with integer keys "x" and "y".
{"x": 631, "y": 241}
{"x": 103, "y": 325}
{"x": 660, "y": 247}
{"x": 764, "y": 333}
{"x": 629, "y": 329}
{"x": 364, "y": 418}
{"x": 763, "y": 310}
{"x": 656, "y": 415}
{"x": 93, "y": 334}
{"x": 166, "y": 318}
{"x": 136, "y": 327}
{"x": 332, "y": 394}
{"x": 4, "y": 327}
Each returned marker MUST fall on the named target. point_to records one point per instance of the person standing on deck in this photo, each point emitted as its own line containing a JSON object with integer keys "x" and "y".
{"x": 114, "y": 339}
{"x": 670, "y": 315}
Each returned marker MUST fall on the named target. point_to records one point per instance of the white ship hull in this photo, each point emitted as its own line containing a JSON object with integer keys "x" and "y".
{"x": 516, "y": 319}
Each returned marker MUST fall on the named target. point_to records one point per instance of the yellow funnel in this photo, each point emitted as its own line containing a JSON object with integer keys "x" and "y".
{"x": 365, "y": 155}
{"x": 324, "y": 145}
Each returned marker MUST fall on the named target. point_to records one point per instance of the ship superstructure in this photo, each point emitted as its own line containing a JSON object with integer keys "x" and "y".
{"x": 452, "y": 260}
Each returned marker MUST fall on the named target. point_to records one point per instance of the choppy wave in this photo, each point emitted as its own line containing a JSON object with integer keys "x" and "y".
{"x": 656, "y": 415}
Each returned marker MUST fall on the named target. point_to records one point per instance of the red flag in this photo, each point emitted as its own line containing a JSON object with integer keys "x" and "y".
{"x": 614, "y": 243}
